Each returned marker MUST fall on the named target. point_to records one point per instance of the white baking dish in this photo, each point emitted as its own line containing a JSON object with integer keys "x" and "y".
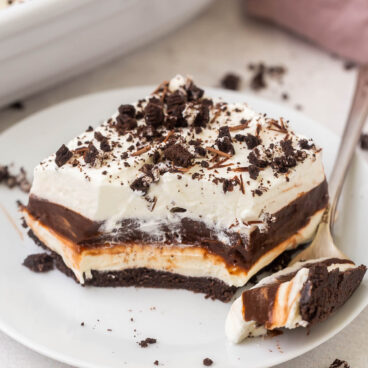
{"x": 45, "y": 41}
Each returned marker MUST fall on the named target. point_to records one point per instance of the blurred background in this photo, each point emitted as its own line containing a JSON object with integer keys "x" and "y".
{"x": 303, "y": 54}
{"x": 52, "y": 50}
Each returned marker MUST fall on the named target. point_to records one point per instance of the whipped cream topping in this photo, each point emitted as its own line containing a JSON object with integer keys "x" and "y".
{"x": 286, "y": 311}
{"x": 230, "y": 166}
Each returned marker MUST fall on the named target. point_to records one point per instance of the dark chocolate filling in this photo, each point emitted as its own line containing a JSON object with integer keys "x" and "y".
{"x": 242, "y": 251}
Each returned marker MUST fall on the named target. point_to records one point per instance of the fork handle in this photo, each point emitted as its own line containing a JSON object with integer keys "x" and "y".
{"x": 353, "y": 128}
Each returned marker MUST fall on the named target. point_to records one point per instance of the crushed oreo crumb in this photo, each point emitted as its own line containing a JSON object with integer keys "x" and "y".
{"x": 200, "y": 150}
{"x": 140, "y": 184}
{"x": 91, "y": 154}
{"x": 193, "y": 92}
{"x": 253, "y": 171}
{"x": 207, "y": 362}
{"x": 337, "y": 363}
{"x": 17, "y": 105}
{"x": 179, "y": 155}
{"x": 258, "y": 79}
{"x": 227, "y": 185}
{"x": 148, "y": 341}
{"x": 304, "y": 144}
{"x": 154, "y": 114}
{"x": 202, "y": 117}
{"x": 19, "y": 180}
{"x": 349, "y": 65}
{"x": 98, "y": 136}
{"x": 127, "y": 110}
{"x": 105, "y": 146}
{"x": 364, "y": 141}
{"x": 41, "y": 262}
{"x": 261, "y": 72}
{"x": 231, "y": 81}
{"x": 224, "y": 142}
{"x": 63, "y": 155}
{"x": 251, "y": 141}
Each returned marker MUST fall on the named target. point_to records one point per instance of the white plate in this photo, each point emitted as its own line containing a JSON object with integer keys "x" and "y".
{"x": 45, "y": 311}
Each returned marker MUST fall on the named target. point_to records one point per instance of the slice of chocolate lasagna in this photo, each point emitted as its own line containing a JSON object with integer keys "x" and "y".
{"x": 297, "y": 296}
{"x": 178, "y": 190}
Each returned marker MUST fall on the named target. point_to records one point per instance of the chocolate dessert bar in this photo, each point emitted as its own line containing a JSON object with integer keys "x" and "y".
{"x": 178, "y": 190}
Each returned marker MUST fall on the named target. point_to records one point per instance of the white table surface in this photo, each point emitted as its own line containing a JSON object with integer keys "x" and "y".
{"x": 216, "y": 42}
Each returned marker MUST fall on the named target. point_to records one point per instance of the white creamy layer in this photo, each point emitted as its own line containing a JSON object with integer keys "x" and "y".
{"x": 109, "y": 198}
{"x": 187, "y": 261}
{"x": 286, "y": 311}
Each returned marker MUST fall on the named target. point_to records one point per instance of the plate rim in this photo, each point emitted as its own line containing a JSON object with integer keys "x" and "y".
{"x": 63, "y": 357}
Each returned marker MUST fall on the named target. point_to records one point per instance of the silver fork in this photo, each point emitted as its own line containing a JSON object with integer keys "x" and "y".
{"x": 323, "y": 244}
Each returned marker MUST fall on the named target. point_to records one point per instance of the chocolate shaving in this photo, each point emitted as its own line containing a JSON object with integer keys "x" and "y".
{"x": 240, "y": 169}
{"x": 217, "y": 114}
{"x": 242, "y": 184}
{"x": 239, "y": 127}
{"x": 171, "y": 132}
{"x": 141, "y": 151}
{"x": 177, "y": 209}
{"x": 217, "y": 152}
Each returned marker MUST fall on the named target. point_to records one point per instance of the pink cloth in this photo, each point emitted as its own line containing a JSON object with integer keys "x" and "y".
{"x": 340, "y": 26}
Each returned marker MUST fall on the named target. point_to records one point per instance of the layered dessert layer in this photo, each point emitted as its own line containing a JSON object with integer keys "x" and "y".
{"x": 179, "y": 183}
{"x": 297, "y": 296}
